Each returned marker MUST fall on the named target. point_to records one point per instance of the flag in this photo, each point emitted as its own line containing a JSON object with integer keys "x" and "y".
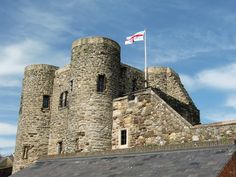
{"x": 139, "y": 36}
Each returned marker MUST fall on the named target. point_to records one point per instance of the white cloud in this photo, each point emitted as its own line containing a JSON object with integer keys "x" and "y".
{"x": 10, "y": 82}
{"x": 7, "y": 151}
{"x": 7, "y": 143}
{"x": 7, "y": 107}
{"x": 220, "y": 116}
{"x": 49, "y": 25}
{"x": 231, "y": 101}
{"x": 222, "y": 78}
{"x": 189, "y": 82}
{"x": 7, "y": 129}
{"x": 15, "y": 57}
{"x": 174, "y": 45}
{"x": 9, "y": 92}
{"x": 54, "y": 22}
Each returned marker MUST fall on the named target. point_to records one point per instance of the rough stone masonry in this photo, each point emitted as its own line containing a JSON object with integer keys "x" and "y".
{"x": 97, "y": 103}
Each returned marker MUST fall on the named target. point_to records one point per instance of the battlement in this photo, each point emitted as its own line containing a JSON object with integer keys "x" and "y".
{"x": 162, "y": 70}
{"x": 41, "y": 67}
{"x": 62, "y": 70}
{"x": 95, "y": 40}
{"x": 168, "y": 81}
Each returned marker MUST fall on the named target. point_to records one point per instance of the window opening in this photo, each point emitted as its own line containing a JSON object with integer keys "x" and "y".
{"x": 25, "y": 152}
{"x": 134, "y": 85}
{"x": 71, "y": 85}
{"x": 123, "y": 137}
{"x": 59, "y": 144}
{"x": 101, "y": 83}
{"x": 131, "y": 97}
{"x": 63, "y": 101}
{"x": 123, "y": 72}
{"x": 46, "y": 101}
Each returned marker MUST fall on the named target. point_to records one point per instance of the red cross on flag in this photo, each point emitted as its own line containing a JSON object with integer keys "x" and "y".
{"x": 139, "y": 36}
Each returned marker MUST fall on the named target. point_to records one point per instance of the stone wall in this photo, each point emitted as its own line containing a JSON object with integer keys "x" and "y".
{"x": 168, "y": 81}
{"x": 129, "y": 75}
{"x": 59, "y": 114}
{"x": 187, "y": 111}
{"x": 169, "y": 87}
{"x": 33, "y": 125}
{"x": 151, "y": 121}
{"x": 214, "y": 131}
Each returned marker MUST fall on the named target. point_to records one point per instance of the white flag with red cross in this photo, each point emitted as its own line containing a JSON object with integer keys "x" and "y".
{"x": 139, "y": 36}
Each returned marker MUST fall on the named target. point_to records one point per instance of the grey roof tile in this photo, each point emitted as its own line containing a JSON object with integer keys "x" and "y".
{"x": 183, "y": 163}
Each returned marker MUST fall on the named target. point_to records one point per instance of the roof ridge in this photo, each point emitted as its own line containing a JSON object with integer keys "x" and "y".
{"x": 149, "y": 149}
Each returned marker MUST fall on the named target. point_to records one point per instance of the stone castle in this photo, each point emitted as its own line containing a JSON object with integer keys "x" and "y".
{"x": 96, "y": 103}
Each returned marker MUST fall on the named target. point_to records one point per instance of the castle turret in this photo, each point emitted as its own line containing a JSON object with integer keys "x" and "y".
{"x": 34, "y": 115}
{"x": 169, "y": 86}
{"x": 95, "y": 68}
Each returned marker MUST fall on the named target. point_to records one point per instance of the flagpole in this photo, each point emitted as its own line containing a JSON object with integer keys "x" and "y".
{"x": 145, "y": 59}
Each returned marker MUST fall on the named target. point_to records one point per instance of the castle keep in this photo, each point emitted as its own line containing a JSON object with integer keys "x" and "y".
{"x": 97, "y": 103}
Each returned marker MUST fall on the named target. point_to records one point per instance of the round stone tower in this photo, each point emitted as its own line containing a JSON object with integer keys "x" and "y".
{"x": 34, "y": 115}
{"x": 95, "y": 69}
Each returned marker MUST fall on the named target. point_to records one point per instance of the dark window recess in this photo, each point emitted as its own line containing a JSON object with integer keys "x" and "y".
{"x": 71, "y": 85}
{"x": 46, "y": 101}
{"x": 63, "y": 101}
{"x": 21, "y": 99}
{"x": 59, "y": 147}
{"x": 123, "y": 137}
{"x": 123, "y": 72}
{"x": 101, "y": 83}
{"x": 131, "y": 97}
{"x": 25, "y": 152}
{"x": 134, "y": 85}
{"x": 79, "y": 149}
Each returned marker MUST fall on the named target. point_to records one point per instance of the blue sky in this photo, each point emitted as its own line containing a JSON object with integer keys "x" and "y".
{"x": 195, "y": 38}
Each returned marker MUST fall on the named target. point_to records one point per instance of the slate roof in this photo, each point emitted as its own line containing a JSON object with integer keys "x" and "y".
{"x": 200, "y": 162}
